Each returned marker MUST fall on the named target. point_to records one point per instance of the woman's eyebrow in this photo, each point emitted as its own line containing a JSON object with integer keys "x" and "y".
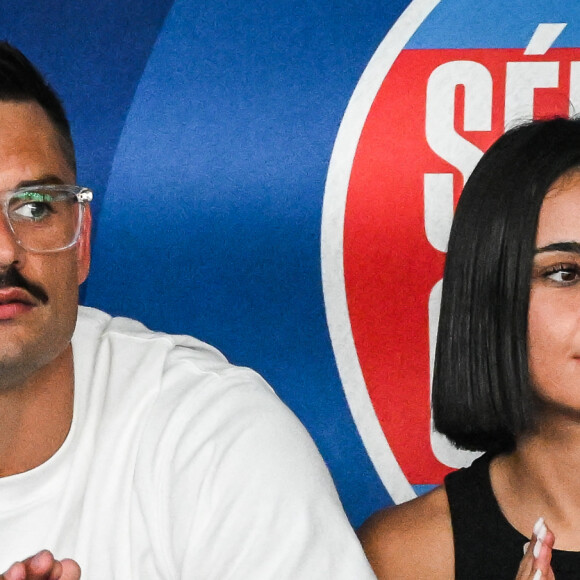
{"x": 570, "y": 247}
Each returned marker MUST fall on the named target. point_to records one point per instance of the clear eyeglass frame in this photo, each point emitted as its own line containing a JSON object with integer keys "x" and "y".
{"x": 42, "y": 234}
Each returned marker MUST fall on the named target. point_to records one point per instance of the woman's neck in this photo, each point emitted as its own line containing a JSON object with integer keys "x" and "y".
{"x": 540, "y": 478}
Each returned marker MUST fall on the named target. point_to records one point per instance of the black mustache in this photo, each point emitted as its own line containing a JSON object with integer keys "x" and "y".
{"x": 12, "y": 278}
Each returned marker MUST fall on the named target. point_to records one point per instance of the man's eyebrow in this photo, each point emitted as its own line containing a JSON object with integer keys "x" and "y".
{"x": 43, "y": 180}
{"x": 569, "y": 247}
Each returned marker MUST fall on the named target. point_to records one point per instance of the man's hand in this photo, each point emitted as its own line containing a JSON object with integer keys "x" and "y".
{"x": 43, "y": 566}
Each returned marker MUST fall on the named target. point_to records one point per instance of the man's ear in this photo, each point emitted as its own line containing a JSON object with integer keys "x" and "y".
{"x": 84, "y": 246}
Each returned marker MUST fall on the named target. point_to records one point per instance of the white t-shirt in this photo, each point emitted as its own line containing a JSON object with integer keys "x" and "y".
{"x": 177, "y": 465}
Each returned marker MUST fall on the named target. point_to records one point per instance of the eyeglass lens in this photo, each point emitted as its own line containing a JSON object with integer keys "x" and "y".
{"x": 44, "y": 222}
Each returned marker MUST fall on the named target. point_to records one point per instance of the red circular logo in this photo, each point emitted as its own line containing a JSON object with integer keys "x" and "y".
{"x": 416, "y": 125}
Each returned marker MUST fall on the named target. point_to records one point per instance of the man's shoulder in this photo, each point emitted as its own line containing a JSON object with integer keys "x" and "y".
{"x": 214, "y": 445}
{"x": 133, "y": 340}
{"x": 121, "y": 355}
{"x": 95, "y": 322}
{"x": 175, "y": 388}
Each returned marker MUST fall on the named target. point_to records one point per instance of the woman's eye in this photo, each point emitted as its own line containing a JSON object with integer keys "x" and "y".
{"x": 564, "y": 275}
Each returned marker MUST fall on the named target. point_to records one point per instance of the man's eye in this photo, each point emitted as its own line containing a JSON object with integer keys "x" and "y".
{"x": 34, "y": 211}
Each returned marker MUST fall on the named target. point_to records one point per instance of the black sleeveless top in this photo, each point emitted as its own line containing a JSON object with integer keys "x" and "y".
{"x": 486, "y": 544}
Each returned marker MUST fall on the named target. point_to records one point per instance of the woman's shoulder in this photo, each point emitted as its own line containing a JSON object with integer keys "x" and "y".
{"x": 412, "y": 540}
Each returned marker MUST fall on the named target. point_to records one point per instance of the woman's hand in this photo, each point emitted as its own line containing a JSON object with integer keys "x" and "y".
{"x": 535, "y": 564}
{"x": 43, "y": 566}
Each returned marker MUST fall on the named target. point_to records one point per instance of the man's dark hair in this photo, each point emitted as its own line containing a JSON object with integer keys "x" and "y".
{"x": 483, "y": 399}
{"x": 20, "y": 81}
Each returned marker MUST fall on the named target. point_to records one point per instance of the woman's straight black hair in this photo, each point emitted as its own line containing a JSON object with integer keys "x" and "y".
{"x": 482, "y": 395}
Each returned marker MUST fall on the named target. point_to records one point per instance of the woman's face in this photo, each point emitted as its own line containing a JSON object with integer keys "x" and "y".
{"x": 554, "y": 314}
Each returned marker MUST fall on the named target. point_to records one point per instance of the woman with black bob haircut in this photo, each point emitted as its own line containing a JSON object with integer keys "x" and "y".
{"x": 507, "y": 376}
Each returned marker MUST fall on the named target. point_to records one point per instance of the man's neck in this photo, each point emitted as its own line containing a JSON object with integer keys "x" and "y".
{"x": 36, "y": 416}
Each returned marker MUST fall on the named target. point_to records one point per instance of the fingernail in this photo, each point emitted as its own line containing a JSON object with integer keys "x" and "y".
{"x": 537, "y": 548}
{"x": 537, "y": 575}
{"x": 526, "y": 546}
{"x": 540, "y": 537}
{"x": 538, "y": 526}
{"x": 542, "y": 533}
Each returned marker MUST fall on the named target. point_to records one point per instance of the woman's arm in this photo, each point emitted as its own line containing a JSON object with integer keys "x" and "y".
{"x": 412, "y": 541}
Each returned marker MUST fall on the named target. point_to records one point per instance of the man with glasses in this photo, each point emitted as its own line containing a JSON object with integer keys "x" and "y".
{"x": 129, "y": 453}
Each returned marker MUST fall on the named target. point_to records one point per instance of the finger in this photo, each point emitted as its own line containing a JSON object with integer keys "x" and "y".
{"x": 40, "y": 566}
{"x": 70, "y": 570}
{"x": 540, "y": 547}
{"x": 538, "y": 537}
{"x": 545, "y": 542}
{"x": 56, "y": 572}
{"x": 526, "y": 568}
{"x": 16, "y": 572}
{"x": 537, "y": 554}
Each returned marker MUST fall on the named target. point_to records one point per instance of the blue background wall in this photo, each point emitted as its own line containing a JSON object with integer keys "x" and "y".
{"x": 206, "y": 128}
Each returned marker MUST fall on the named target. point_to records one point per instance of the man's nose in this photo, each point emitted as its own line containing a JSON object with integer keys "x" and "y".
{"x": 10, "y": 251}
